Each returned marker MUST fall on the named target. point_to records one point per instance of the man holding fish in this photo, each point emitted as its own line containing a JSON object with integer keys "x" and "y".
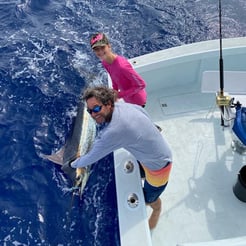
{"x": 121, "y": 130}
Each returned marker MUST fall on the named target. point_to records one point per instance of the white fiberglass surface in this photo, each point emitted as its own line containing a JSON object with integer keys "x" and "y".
{"x": 198, "y": 204}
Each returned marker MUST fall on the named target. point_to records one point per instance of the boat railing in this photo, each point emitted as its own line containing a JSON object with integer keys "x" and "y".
{"x": 133, "y": 223}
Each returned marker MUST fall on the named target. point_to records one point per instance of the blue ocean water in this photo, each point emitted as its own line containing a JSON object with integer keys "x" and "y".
{"x": 45, "y": 64}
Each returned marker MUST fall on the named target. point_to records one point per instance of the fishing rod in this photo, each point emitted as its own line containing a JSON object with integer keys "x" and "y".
{"x": 222, "y": 100}
{"x": 221, "y": 64}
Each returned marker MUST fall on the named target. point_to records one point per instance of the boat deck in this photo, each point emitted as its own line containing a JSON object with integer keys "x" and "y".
{"x": 198, "y": 204}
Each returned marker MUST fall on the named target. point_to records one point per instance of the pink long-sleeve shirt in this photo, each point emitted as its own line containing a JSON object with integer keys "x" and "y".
{"x": 125, "y": 80}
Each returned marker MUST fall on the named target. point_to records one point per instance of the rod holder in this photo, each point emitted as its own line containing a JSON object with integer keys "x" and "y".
{"x": 129, "y": 167}
{"x": 133, "y": 200}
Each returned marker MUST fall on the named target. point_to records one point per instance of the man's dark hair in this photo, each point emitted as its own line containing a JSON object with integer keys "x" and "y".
{"x": 103, "y": 94}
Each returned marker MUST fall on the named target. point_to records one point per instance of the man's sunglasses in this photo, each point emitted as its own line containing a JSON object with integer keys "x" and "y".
{"x": 96, "y": 109}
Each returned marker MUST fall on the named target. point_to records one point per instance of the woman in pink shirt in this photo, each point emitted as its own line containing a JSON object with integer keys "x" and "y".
{"x": 125, "y": 80}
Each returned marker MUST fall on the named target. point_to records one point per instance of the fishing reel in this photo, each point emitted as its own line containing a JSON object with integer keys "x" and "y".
{"x": 223, "y": 100}
{"x": 228, "y": 108}
{"x": 234, "y": 114}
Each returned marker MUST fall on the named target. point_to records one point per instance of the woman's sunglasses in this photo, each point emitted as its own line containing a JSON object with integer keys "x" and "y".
{"x": 96, "y": 109}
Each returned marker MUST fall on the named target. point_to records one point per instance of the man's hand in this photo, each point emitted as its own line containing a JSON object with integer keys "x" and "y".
{"x": 72, "y": 164}
{"x": 67, "y": 168}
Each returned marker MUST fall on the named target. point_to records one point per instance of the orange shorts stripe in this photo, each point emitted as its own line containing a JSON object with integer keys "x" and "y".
{"x": 158, "y": 177}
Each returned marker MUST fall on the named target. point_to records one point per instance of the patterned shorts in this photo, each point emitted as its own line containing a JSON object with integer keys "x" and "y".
{"x": 155, "y": 182}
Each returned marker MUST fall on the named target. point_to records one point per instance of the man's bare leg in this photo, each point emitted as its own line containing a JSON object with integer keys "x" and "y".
{"x": 154, "y": 217}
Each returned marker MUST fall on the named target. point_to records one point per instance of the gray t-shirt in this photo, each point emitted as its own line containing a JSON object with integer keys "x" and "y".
{"x": 132, "y": 129}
